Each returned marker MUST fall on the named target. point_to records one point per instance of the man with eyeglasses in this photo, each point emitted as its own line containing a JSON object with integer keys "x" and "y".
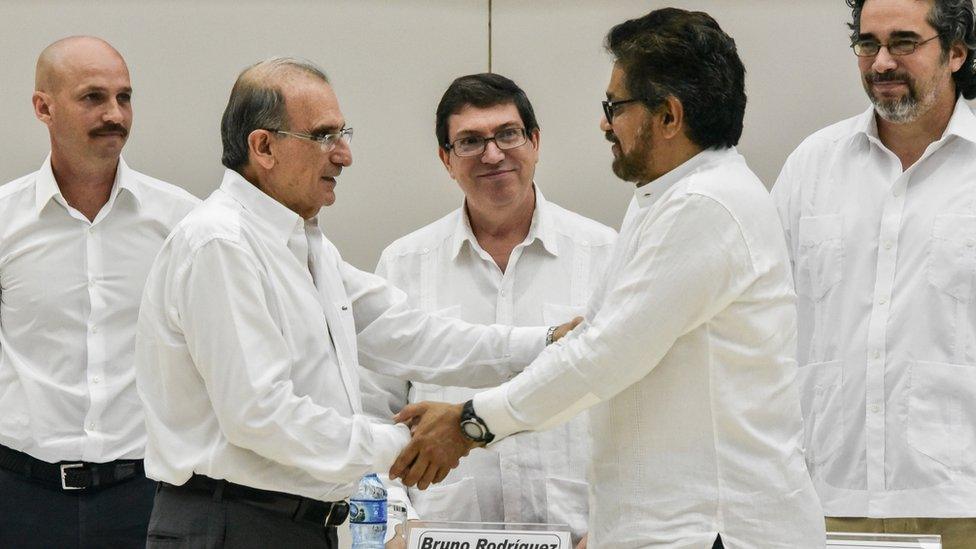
{"x": 686, "y": 355}
{"x": 77, "y": 238}
{"x": 880, "y": 218}
{"x": 252, "y": 330}
{"x": 506, "y": 256}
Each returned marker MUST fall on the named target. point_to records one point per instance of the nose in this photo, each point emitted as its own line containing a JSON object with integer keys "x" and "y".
{"x": 492, "y": 154}
{"x": 341, "y": 155}
{"x": 605, "y": 125}
{"x": 114, "y": 112}
{"x": 883, "y": 61}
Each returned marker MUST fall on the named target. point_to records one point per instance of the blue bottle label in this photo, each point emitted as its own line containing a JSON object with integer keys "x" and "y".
{"x": 367, "y": 511}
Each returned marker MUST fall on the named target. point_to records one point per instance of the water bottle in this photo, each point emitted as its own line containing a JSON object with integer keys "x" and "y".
{"x": 367, "y": 513}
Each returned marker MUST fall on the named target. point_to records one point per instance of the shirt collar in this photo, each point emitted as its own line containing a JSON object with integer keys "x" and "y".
{"x": 540, "y": 228}
{"x": 648, "y": 194}
{"x": 46, "y": 187}
{"x": 962, "y": 123}
{"x": 282, "y": 221}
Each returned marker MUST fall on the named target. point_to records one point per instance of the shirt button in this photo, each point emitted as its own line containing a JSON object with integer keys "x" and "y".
{"x": 95, "y": 380}
{"x": 877, "y": 353}
{"x": 585, "y": 243}
{"x": 883, "y": 301}
{"x": 426, "y": 250}
{"x": 888, "y": 245}
{"x": 897, "y": 192}
{"x": 502, "y": 293}
{"x": 971, "y": 242}
{"x": 94, "y": 329}
{"x": 875, "y": 408}
{"x": 91, "y": 426}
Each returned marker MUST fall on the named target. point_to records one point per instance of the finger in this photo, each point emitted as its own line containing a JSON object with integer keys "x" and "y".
{"x": 429, "y": 475}
{"x": 417, "y": 471}
{"x": 441, "y": 474}
{"x": 410, "y": 411}
{"x": 575, "y": 322}
{"x": 404, "y": 461}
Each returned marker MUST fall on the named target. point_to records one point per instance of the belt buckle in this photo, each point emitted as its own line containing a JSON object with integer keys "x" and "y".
{"x": 340, "y": 509}
{"x": 64, "y": 468}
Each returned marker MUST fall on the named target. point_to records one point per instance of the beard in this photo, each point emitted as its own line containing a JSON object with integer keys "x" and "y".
{"x": 907, "y": 108}
{"x": 633, "y": 166}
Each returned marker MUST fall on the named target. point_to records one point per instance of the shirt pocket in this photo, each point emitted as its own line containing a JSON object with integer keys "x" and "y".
{"x": 556, "y": 313}
{"x": 951, "y": 263}
{"x": 566, "y": 503}
{"x": 820, "y": 256}
{"x": 821, "y": 399}
{"x": 942, "y": 412}
{"x": 457, "y": 501}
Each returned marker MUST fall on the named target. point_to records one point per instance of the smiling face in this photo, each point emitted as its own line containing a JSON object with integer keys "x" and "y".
{"x": 84, "y": 97}
{"x": 303, "y": 176}
{"x": 905, "y": 87}
{"x": 496, "y": 179}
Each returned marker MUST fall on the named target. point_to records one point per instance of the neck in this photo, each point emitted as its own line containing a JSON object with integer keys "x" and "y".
{"x": 498, "y": 231}
{"x": 669, "y": 159}
{"x": 85, "y": 184}
{"x": 909, "y": 140}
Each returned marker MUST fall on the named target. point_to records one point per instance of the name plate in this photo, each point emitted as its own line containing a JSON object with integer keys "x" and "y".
{"x": 486, "y": 535}
{"x": 839, "y": 540}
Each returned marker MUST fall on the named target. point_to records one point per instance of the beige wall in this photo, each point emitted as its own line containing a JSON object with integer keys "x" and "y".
{"x": 390, "y": 60}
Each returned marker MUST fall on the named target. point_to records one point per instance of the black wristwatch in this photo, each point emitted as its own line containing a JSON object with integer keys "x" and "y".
{"x": 474, "y": 427}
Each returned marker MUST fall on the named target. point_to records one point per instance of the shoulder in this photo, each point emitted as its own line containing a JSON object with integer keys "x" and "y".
{"x": 161, "y": 190}
{"x": 422, "y": 240}
{"x": 13, "y": 189}
{"x": 826, "y": 139}
{"x": 580, "y": 228}
{"x": 217, "y": 218}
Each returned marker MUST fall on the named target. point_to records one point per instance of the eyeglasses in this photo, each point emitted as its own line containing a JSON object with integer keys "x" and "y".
{"x": 610, "y": 107}
{"x": 898, "y": 46}
{"x": 327, "y": 141}
{"x": 474, "y": 145}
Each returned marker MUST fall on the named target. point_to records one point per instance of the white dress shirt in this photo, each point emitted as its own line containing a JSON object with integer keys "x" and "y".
{"x": 539, "y": 477}
{"x": 687, "y": 358}
{"x": 69, "y": 296}
{"x": 885, "y": 264}
{"x": 247, "y": 352}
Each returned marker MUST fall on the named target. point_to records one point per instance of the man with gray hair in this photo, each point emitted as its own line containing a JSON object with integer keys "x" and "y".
{"x": 880, "y": 218}
{"x": 252, "y": 329}
{"x": 77, "y": 238}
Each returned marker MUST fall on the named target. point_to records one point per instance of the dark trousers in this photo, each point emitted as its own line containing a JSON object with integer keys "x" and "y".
{"x": 39, "y": 515}
{"x": 190, "y": 520}
{"x": 718, "y": 543}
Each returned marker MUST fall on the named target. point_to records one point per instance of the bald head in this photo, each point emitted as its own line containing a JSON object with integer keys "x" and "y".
{"x": 68, "y": 58}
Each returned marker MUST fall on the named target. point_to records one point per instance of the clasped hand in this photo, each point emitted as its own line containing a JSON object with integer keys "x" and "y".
{"x": 436, "y": 444}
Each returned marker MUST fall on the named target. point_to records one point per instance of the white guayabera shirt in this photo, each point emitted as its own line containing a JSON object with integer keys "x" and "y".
{"x": 885, "y": 265}
{"x": 540, "y": 477}
{"x": 69, "y": 297}
{"x": 246, "y": 357}
{"x": 687, "y": 360}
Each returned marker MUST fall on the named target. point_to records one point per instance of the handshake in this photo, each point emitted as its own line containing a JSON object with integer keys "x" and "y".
{"x": 437, "y": 442}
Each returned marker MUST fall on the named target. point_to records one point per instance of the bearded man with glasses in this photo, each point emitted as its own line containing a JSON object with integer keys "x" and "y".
{"x": 506, "y": 256}
{"x": 880, "y": 218}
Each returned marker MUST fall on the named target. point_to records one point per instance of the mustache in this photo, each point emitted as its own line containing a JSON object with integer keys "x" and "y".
{"x": 611, "y": 137}
{"x": 110, "y": 129}
{"x": 877, "y": 78}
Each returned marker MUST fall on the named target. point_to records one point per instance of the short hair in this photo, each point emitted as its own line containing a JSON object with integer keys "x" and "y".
{"x": 954, "y": 21}
{"x": 684, "y": 54}
{"x": 257, "y": 102}
{"x": 481, "y": 90}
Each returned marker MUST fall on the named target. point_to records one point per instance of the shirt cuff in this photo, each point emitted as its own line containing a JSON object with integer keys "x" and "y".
{"x": 524, "y": 344}
{"x": 493, "y": 408}
{"x": 388, "y": 440}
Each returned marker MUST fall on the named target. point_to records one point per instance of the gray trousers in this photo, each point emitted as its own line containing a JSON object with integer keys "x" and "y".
{"x": 196, "y": 520}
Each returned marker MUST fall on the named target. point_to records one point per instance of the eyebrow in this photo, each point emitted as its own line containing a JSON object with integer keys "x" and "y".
{"x": 496, "y": 129}
{"x": 326, "y": 129}
{"x": 894, "y": 34}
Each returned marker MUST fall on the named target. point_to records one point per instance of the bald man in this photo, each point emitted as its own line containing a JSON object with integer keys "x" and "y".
{"x": 77, "y": 238}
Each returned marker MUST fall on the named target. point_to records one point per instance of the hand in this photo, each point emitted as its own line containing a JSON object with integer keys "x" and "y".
{"x": 564, "y": 329}
{"x": 436, "y": 446}
{"x": 399, "y": 540}
{"x": 582, "y": 542}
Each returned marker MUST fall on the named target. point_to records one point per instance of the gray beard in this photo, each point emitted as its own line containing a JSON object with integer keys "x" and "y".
{"x": 903, "y": 111}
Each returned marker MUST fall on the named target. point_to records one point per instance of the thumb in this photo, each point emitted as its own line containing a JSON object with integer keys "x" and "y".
{"x": 410, "y": 412}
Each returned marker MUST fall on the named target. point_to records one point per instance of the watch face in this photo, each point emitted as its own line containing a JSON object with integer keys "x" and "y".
{"x": 472, "y": 430}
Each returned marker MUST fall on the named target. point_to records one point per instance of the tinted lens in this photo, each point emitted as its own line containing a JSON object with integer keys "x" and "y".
{"x": 511, "y": 138}
{"x": 866, "y": 48}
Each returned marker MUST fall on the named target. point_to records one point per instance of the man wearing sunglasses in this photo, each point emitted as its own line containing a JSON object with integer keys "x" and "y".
{"x": 506, "y": 256}
{"x": 880, "y": 218}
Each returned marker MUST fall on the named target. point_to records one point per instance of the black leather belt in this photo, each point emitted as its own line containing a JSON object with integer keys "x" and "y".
{"x": 299, "y": 509}
{"x": 77, "y": 475}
